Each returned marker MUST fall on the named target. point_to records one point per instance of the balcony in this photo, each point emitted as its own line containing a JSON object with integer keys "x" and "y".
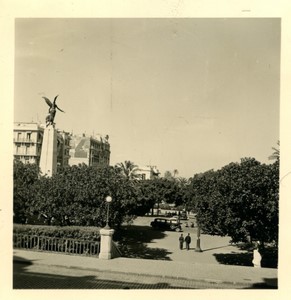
{"x": 26, "y": 141}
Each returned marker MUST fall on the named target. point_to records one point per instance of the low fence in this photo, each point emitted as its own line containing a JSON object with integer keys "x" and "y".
{"x": 59, "y": 245}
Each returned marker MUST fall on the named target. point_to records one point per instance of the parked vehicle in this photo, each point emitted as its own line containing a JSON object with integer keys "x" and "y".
{"x": 166, "y": 224}
{"x": 170, "y": 214}
{"x": 183, "y": 216}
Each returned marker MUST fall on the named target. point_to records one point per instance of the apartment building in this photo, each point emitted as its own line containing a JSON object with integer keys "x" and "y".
{"x": 27, "y": 142}
{"x": 90, "y": 150}
{"x": 28, "y": 138}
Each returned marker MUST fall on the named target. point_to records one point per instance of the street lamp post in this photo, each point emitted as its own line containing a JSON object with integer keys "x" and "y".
{"x": 106, "y": 234}
{"x": 198, "y": 248}
{"x": 108, "y": 200}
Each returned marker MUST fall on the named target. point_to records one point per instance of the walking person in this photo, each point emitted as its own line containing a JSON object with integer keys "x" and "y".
{"x": 181, "y": 241}
{"x": 188, "y": 241}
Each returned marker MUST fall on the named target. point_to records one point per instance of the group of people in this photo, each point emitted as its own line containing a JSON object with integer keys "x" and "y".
{"x": 187, "y": 241}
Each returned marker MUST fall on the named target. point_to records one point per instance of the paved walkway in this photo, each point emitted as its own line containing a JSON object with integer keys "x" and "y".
{"x": 191, "y": 271}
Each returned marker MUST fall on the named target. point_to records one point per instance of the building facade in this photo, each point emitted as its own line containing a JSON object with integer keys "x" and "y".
{"x": 71, "y": 149}
{"x": 63, "y": 146}
{"x": 28, "y": 139}
{"x": 92, "y": 151}
{"x": 148, "y": 172}
{"x": 27, "y": 142}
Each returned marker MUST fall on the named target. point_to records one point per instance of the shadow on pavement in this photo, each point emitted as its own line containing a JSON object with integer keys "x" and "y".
{"x": 237, "y": 259}
{"x": 32, "y": 280}
{"x": 204, "y": 250}
{"x": 245, "y": 259}
{"x": 132, "y": 242}
{"x": 269, "y": 283}
{"x": 21, "y": 264}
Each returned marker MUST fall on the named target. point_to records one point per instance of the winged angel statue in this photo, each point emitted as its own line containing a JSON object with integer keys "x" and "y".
{"x": 52, "y": 111}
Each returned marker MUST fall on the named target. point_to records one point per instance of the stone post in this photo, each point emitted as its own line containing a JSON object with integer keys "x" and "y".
{"x": 106, "y": 243}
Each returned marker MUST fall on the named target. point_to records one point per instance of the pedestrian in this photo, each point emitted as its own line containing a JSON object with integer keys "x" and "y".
{"x": 181, "y": 241}
{"x": 188, "y": 241}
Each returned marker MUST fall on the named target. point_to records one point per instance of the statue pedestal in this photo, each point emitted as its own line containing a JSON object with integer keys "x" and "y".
{"x": 48, "y": 157}
{"x": 106, "y": 243}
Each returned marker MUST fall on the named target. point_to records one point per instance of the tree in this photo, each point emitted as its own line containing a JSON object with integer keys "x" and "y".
{"x": 158, "y": 190}
{"x": 25, "y": 177}
{"x": 171, "y": 175}
{"x": 168, "y": 175}
{"x": 78, "y": 194}
{"x": 239, "y": 200}
{"x": 175, "y": 173}
{"x": 276, "y": 154}
{"x": 128, "y": 169}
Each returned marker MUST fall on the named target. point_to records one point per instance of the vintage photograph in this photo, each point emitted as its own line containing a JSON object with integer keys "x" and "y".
{"x": 146, "y": 153}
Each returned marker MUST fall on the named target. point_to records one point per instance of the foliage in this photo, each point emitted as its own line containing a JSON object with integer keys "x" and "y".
{"x": 81, "y": 192}
{"x": 159, "y": 190}
{"x": 74, "y": 232}
{"x": 171, "y": 175}
{"x": 24, "y": 178}
{"x": 128, "y": 169}
{"x": 276, "y": 154}
{"x": 76, "y": 196}
{"x": 239, "y": 200}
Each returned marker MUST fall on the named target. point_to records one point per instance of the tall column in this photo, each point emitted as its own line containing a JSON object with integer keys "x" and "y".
{"x": 106, "y": 243}
{"x": 48, "y": 157}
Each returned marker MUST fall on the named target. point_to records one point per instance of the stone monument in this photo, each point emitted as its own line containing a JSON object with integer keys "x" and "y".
{"x": 48, "y": 157}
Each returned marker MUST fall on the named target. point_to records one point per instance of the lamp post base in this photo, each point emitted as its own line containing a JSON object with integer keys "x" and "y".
{"x": 198, "y": 248}
{"x": 106, "y": 243}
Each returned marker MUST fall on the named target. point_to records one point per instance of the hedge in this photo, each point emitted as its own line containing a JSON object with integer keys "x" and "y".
{"x": 73, "y": 232}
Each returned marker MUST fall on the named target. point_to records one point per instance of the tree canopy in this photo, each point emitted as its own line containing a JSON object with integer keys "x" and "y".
{"x": 76, "y": 195}
{"x": 239, "y": 200}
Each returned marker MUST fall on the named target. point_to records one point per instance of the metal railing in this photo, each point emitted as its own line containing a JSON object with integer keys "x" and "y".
{"x": 26, "y": 140}
{"x": 53, "y": 244}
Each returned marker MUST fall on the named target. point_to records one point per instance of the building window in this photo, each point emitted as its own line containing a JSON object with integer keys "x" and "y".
{"x": 28, "y": 136}
{"x": 17, "y": 149}
{"x": 27, "y": 149}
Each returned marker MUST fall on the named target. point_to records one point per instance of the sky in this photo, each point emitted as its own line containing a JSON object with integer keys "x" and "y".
{"x": 190, "y": 94}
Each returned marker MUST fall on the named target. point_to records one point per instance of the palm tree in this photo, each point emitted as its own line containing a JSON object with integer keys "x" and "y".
{"x": 168, "y": 175}
{"x": 128, "y": 169}
{"x": 175, "y": 172}
{"x": 183, "y": 181}
{"x": 276, "y": 154}
{"x": 171, "y": 175}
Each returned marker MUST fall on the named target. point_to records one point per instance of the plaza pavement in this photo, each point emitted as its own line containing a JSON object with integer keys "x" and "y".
{"x": 208, "y": 266}
{"x": 236, "y": 275}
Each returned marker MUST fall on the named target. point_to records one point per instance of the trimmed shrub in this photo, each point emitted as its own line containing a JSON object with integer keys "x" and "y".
{"x": 73, "y": 232}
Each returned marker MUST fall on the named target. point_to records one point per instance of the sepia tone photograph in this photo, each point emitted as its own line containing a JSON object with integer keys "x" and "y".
{"x": 146, "y": 154}
{"x": 152, "y": 143}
